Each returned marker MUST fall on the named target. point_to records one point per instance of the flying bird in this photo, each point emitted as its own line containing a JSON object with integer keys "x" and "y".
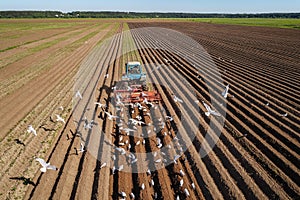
{"x": 181, "y": 183}
{"x": 81, "y": 150}
{"x": 284, "y": 115}
{"x": 193, "y": 186}
{"x": 176, "y": 99}
{"x": 186, "y": 192}
{"x": 149, "y": 172}
{"x": 170, "y": 118}
{"x": 45, "y": 165}
{"x": 101, "y": 105}
{"x": 78, "y": 94}
{"x": 31, "y": 130}
{"x": 225, "y": 92}
{"x": 181, "y": 173}
{"x": 175, "y": 158}
{"x": 123, "y": 194}
{"x": 132, "y": 195}
{"x": 103, "y": 165}
{"x": 210, "y": 111}
{"x": 60, "y": 119}
{"x": 152, "y": 182}
{"x": 110, "y": 116}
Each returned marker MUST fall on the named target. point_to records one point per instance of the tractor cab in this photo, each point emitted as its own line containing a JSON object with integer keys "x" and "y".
{"x": 133, "y": 72}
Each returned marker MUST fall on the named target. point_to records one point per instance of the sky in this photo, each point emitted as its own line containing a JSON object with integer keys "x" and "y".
{"x": 195, "y": 6}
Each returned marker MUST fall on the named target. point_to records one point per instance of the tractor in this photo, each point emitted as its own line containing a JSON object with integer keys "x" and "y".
{"x": 133, "y": 87}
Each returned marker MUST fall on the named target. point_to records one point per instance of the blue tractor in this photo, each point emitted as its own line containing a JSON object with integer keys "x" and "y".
{"x": 134, "y": 73}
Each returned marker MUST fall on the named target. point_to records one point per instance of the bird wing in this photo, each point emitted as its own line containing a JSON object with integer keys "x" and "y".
{"x": 176, "y": 157}
{"x": 41, "y": 161}
{"x": 52, "y": 167}
{"x": 207, "y": 107}
{"x": 215, "y": 113}
{"x": 225, "y": 92}
{"x": 158, "y": 141}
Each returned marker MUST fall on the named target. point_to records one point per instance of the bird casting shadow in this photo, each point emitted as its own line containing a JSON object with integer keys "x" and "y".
{"x": 26, "y": 181}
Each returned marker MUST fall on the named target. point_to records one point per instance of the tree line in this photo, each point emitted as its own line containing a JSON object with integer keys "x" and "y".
{"x": 109, "y": 14}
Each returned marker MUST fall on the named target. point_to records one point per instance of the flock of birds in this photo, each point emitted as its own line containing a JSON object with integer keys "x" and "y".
{"x": 134, "y": 122}
{"x": 30, "y": 129}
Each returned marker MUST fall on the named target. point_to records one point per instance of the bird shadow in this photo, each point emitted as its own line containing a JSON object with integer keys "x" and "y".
{"x": 76, "y": 152}
{"x": 19, "y": 142}
{"x": 26, "y": 181}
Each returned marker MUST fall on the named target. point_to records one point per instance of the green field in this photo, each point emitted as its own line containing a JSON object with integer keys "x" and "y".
{"x": 278, "y": 23}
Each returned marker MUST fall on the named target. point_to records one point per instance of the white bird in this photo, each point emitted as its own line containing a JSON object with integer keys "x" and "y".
{"x": 284, "y": 115}
{"x": 152, "y": 182}
{"x": 31, "y": 130}
{"x": 169, "y": 118}
{"x": 193, "y": 186}
{"x": 45, "y": 165}
{"x": 267, "y": 104}
{"x": 210, "y": 111}
{"x": 139, "y": 117}
{"x": 113, "y": 157}
{"x": 60, "y": 119}
{"x": 81, "y": 150}
{"x": 123, "y": 194}
{"x": 181, "y": 183}
{"x": 127, "y": 130}
{"x": 175, "y": 158}
{"x": 103, "y": 165}
{"x": 113, "y": 170}
{"x": 106, "y": 75}
{"x": 177, "y": 198}
{"x": 121, "y": 150}
{"x": 132, "y": 195}
{"x": 87, "y": 125}
{"x": 60, "y": 108}
{"x": 140, "y": 122}
{"x": 158, "y": 161}
{"x": 143, "y": 186}
{"x": 149, "y": 172}
{"x": 134, "y": 160}
{"x": 181, "y": 173}
{"x": 158, "y": 141}
{"x": 137, "y": 143}
{"x": 225, "y": 92}
{"x": 186, "y": 192}
{"x": 101, "y": 105}
{"x": 78, "y": 94}
{"x": 176, "y": 99}
{"x": 110, "y": 116}
{"x": 121, "y": 168}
